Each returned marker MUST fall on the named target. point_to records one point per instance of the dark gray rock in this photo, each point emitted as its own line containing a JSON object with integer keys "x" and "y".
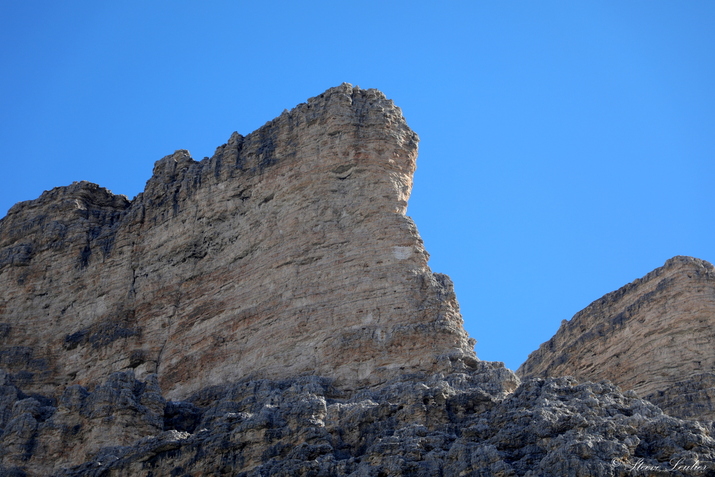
{"x": 442, "y": 425}
{"x": 39, "y": 435}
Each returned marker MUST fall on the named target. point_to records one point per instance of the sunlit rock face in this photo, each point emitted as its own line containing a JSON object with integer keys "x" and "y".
{"x": 270, "y": 311}
{"x": 654, "y": 336}
{"x": 286, "y": 253}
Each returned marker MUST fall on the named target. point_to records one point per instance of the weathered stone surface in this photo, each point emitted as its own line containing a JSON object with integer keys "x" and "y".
{"x": 458, "y": 424}
{"x": 288, "y": 252}
{"x": 654, "y": 336}
{"x": 39, "y": 434}
{"x": 270, "y": 311}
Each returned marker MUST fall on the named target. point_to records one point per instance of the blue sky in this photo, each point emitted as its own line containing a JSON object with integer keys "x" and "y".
{"x": 567, "y": 148}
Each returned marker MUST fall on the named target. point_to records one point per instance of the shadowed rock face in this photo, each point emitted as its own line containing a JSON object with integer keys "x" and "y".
{"x": 270, "y": 311}
{"x": 453, "y": 425}
{"x": 653, "y": 336}
{"x": 288, "y": 252}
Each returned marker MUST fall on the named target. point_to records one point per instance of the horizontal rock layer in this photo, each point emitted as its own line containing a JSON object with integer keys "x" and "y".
{"x": 654, "y": 336}
{"x": 286, "y": 253}
{"x": 270, "y": 311}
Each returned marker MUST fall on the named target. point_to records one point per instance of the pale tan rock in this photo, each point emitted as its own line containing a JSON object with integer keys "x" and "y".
{"x": 654, "y": 336}
{"x": 288, "y": 252}
{"x": 286, "y": 255}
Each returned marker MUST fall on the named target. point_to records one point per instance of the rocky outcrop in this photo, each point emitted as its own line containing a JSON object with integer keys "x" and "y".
{"x": 451, "y": 425}
{"x": 286, "y": 253}
{"x": 270, "y": 311}
{"x": 41, "y": 434}
{"x": 654, "y": 336}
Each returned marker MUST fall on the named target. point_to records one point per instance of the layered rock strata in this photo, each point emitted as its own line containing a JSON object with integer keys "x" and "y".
{"x": 654, "y": 336}
{"x": 286, "y": 253}
{"x": 270, "y": 311}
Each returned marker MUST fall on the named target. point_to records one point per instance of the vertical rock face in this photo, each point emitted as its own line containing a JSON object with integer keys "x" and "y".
{"x": 654, "y": 336}
{"x": 270, "y": 311}
{"x": 288, "y": 252}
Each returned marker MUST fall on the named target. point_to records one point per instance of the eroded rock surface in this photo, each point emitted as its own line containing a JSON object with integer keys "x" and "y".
{"x": 288, "y": 252}
{"x": 41, "y": 434}
{"x": 270, "y": 311}
{"x": 463, "y": 423}
{"x": 654, "y": 336}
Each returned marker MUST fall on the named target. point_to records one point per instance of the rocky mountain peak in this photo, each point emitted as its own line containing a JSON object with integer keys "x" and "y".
{"x": 287, "y": 252}
{"x": 270, "y": 311}
{"x": 652, "y": 336}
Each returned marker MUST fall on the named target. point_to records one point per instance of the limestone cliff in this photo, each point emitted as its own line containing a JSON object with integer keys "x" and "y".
{"x": 270, "y": 311}
{"x": 288, "y": 252}
{"x": 653, "y": 336}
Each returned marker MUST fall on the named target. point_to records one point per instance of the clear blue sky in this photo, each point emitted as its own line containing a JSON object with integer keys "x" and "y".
{"x": 567, "y": 148}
